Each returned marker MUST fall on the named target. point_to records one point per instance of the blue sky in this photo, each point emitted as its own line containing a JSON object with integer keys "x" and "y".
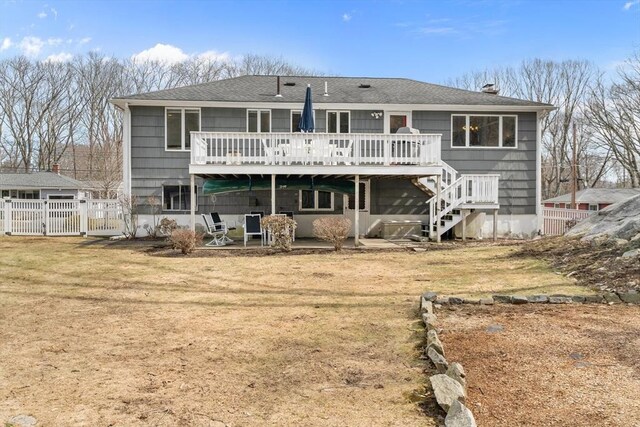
{"x": 425, "y": 40}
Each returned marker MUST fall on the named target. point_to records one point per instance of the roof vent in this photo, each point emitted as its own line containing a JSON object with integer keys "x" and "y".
{"x": 290, "y": 83}
{"x": 490, "y": 88}
{"x": 364, "y": 86}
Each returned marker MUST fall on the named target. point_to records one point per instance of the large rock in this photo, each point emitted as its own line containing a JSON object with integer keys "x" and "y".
{"x": 447, "y": 390}
{"x": 459, "y": 416}
{"x": 630, "y": 297}
{"x": 438, "y": 360}
{"x": 618, "y": 221}
{"x": 427, "y": 307}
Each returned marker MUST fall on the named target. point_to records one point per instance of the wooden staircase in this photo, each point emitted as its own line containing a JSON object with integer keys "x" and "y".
{"x": 457, "y": 192}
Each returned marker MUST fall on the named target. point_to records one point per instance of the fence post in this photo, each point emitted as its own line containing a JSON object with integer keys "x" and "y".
{"x": 84, "y": 217}
{"x": 46, "y": 222}
{"x": 7, "y": 217}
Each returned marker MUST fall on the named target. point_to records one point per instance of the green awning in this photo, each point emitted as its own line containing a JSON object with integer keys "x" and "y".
{"x": 224, "y": 185}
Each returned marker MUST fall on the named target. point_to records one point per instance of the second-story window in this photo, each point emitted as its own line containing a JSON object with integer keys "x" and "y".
{"x": 258, "y": 121}
{"x": 498, "y": 131}
{"x": 338, "y": 122}
{"x": 180, "y": 122}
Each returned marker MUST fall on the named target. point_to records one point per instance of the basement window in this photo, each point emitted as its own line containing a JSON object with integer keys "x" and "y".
{"x": 177, "y": 197}
{"x": 315, "y": 200}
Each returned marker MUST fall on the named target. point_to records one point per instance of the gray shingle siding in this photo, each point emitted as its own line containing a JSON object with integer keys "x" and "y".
{"x": 152, "y": 166}
{"x": 516, "y": 166}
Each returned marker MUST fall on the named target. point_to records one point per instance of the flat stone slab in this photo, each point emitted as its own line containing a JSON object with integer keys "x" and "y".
{"x": 538, "y": 299}
{"x": 22, "y": 421}
{"x": 593, "y": 298}
{"x": 434, "y": 342}
{"x": 505, "y": 299}
{"x": 612, "y": 298}
{"x": 492, "y": 329}
{"x": 456, "y": 371}
{"x": 560, "y": 300}
{"x": 447, "y": 390}
{"x": 630, "y": 297}
{"x": 455, "y": 300}
{"x": 518, "y": 299}
{"x": 438, "y": 360}
{"x": 429, "y": 296}
{"x": 459, "y": 416}
{"x": 486, "y": 301}
{"x": 427, "y": 307}
{"x": 429, "y": 320}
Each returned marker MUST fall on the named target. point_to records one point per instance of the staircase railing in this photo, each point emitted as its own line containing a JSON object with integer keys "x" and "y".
{"x": 467, "y": 189}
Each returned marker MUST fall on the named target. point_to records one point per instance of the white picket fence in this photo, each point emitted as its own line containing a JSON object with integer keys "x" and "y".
{"x": 558, "y": 221}
{"x": 60, "y": 217}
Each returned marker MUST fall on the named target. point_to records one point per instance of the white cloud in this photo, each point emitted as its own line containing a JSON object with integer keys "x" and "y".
{"x": 437, "y": 30}
{"x": 42, "y": 15}
{"x": 31, "y": 46}
{"x": 162, "y": 53}
{"x": 6, "y": 44}
{"x": 55, "y": 13}
{"x": 346, "y": 17}
{"x": 59, "y": 57}
{"x": 628, "y": 5}
{"x": 212, "y": 55}
{"x": 84, "y": 40}
{"x": 54, "y": 42}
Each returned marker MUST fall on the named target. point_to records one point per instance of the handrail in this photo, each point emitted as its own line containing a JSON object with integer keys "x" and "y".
{"x": 239, "y": 148}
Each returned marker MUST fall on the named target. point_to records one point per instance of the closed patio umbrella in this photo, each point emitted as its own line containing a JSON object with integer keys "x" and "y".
{"x": 306, "y": 119}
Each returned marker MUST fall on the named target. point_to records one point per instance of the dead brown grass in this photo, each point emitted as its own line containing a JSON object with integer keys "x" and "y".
{"x": 94, "y": 334}
{"x": 571, "y": 365}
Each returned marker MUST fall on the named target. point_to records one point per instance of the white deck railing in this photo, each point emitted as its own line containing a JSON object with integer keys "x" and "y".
{"x": 243, "y": 148}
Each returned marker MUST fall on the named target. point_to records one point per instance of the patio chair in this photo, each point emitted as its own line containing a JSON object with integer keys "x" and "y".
{"x": 253, "y": 227}
{"x": 217, "y": 235}
{"x": 218, "y": 224}
{"x": 273, "y": 154}
{"x": 344, "y": 153}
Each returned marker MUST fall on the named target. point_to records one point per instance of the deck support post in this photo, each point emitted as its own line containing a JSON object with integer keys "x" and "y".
{"x": 495, "y": 225}
{"x": 464, "y": 225}
{"x": 193, "y": 201}
{"x": 356, "y": 219}
{"x": 438, "y": 206}
{"x": 273, "y": 194}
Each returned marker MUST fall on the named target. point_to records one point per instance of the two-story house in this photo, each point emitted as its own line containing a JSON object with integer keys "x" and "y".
{"x": 233, "y": 146}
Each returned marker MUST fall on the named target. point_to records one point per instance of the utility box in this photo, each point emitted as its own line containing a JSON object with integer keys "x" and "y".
{"x": 394, "y": 230}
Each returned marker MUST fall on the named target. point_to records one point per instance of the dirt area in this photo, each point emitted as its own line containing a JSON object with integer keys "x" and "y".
{"x": 100, "y": 334}
{"x": 597, "y": 266}
{"x": 541, "y": 365}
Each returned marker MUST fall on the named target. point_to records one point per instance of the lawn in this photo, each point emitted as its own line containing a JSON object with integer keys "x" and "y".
{"x": 108, "y": 334}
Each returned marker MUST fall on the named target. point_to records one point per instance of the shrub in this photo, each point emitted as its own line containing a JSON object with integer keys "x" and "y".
{"x": 185, "y": 240}
{"x": 281, "y": 229}
{"x": 167, "y": 226}
{"x": 332, "y": 229}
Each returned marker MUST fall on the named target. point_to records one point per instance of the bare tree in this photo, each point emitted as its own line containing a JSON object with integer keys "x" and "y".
{"x": 614, "y": 111}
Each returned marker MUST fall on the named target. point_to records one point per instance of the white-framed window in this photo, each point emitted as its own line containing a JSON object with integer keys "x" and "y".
{"x": 295, "y": 119}
{"x": 178, "y": 124}
{"x": 315, "y": 200}
{"x": 338, "y": 121}
{"x": 593, "y": 207}
{"x": 177, "y": 197}
{"x": 484, "y": 130}
{"x": 557, "y": 206}
{"x": 258, "y": 120}
{"x": 60, "y": 196}
{"x": 20, "y": 194}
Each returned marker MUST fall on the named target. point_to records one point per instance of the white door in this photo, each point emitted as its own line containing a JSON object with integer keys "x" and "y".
{"x": 349, "y": 207}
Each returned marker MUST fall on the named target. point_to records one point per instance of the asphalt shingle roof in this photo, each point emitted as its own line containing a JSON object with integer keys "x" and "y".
{"x": 340, "y": 89}
{"x": 597, "y": 195}
{"x": 38, "y": 180}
